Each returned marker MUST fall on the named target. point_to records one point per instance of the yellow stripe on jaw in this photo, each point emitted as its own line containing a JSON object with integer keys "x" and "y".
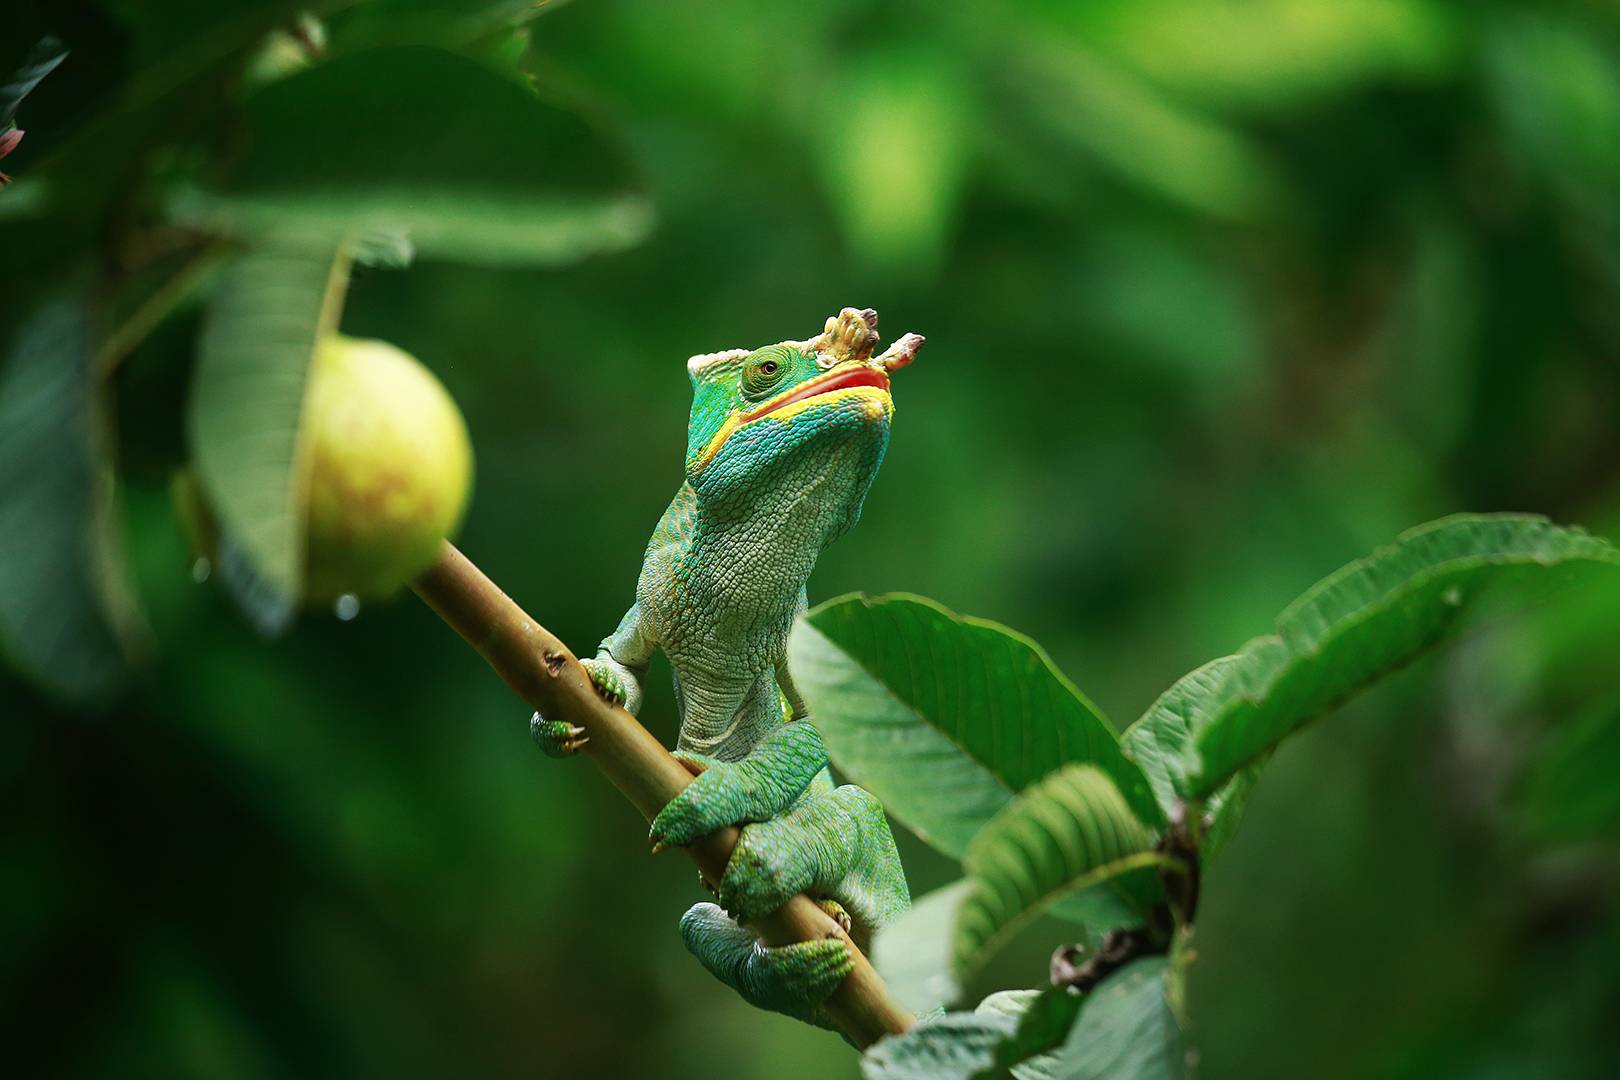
{"x": 876, "y": 397}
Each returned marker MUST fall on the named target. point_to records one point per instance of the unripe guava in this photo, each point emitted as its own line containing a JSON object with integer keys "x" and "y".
{"x": 389, "y": 469}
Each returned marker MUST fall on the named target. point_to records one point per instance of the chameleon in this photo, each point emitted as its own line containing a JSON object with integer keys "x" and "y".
{"x": 783, "y": 443}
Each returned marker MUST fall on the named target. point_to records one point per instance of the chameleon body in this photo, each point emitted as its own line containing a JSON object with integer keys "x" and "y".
{"x": 782, "y": 446}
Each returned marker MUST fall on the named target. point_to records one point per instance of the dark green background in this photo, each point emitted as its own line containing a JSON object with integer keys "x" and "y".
{"x": 1218, "y": 296}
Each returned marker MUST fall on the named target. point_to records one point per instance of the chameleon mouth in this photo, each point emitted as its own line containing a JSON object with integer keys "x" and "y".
{"x": 852, "y": 379}
{"x": 837, "y": 379}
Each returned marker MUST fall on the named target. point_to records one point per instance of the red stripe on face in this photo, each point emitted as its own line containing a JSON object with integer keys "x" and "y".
{"x": 859, "y": 375}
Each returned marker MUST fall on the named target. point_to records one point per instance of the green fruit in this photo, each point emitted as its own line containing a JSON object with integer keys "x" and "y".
{"x": 389, "y": 469}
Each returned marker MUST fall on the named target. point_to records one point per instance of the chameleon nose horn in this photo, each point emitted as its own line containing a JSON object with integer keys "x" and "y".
{"x": 849, "y": 335}
{"x": 901, "y": 353}
{"x": 852, "y": 335}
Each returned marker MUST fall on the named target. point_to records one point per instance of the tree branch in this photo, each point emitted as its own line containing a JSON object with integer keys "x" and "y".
{"x": 544, "y": 673}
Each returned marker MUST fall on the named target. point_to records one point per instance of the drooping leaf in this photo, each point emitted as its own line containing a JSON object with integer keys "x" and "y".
{"x": 945, "y": 718}
{"x": 1127, "y": 1030}
{"x": 67, "y": 617}
{"x": 272, "y": 308}
{"x": 1065, "y": 835}
{"x": 1375, "y": 614}
{"x": 40, "y": 61}
{"x": 956, "y": 1046}
{"x": 913, "y": 953}
{"x": 378, "y": 141}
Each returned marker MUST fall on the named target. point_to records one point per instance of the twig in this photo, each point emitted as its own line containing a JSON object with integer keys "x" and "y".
{"x": 544, "y": 673}
{"x": 1071, "y": 967}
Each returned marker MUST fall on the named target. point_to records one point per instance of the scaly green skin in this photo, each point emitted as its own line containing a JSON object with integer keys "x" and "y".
{"x": 782, "y": 447}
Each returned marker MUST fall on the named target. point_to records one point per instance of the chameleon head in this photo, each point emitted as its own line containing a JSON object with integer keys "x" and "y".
{"x": 798, "y": 415}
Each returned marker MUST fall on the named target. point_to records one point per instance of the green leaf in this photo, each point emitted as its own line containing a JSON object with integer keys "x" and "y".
{"x": 1161, "y": 742}
{"x": 945, "y": 718}
{"x": 1376, "y": 614}
{"x": 67, "y": 617}
{"x": 913, "y": 953}
{"x": 1005, "y": 1033}
{"x": 956, "y": 1046}
{"x": 272, "y": 308}
{"x": 1071, "y": 832}
{"x": 1127, "y": 1030}
{"x": 1161, "y": 739}
{"x": 40, "y": 61}
{"x": 1044, "y": 1018}
{"x": 380, "y": 141}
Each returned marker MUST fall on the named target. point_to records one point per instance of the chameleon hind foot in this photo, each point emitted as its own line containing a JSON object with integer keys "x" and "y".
{"x": 789, "y": 979}
{"x": 561, "y": 739}
{"x": 831, "y": 844}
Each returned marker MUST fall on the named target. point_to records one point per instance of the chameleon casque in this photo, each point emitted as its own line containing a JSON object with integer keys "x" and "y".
{"x": 782, "y": 446}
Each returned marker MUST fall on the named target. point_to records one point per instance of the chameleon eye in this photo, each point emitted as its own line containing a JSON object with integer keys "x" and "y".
{"x": 760, "y": 377}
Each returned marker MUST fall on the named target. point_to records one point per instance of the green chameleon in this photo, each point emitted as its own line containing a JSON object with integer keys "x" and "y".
{"x": 783, "y": 444}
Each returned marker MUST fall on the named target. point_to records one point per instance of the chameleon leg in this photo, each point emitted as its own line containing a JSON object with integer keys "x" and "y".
{"x": 833, "y": 844}
{"x": 760, "y": 786}
{"x": 559, "y": 739}
{"x": 792, "y": 979}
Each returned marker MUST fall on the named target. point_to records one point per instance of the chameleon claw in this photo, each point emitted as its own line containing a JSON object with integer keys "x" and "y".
{"x": 838, "y": 914}
{"x": 608, "y": 684}
{"x": 557, "y": 739}
{"x": 659, "y": 846}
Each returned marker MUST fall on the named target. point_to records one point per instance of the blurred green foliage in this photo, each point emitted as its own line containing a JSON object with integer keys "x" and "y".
{"x": 1218, "y": 297}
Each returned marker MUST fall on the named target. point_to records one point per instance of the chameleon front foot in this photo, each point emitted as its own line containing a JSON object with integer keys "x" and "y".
{"x": 757, "y": 788}
{"x": 607, "y": 680}
{"x": 790, "y": 979}
{"x": 557, "y": 738}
